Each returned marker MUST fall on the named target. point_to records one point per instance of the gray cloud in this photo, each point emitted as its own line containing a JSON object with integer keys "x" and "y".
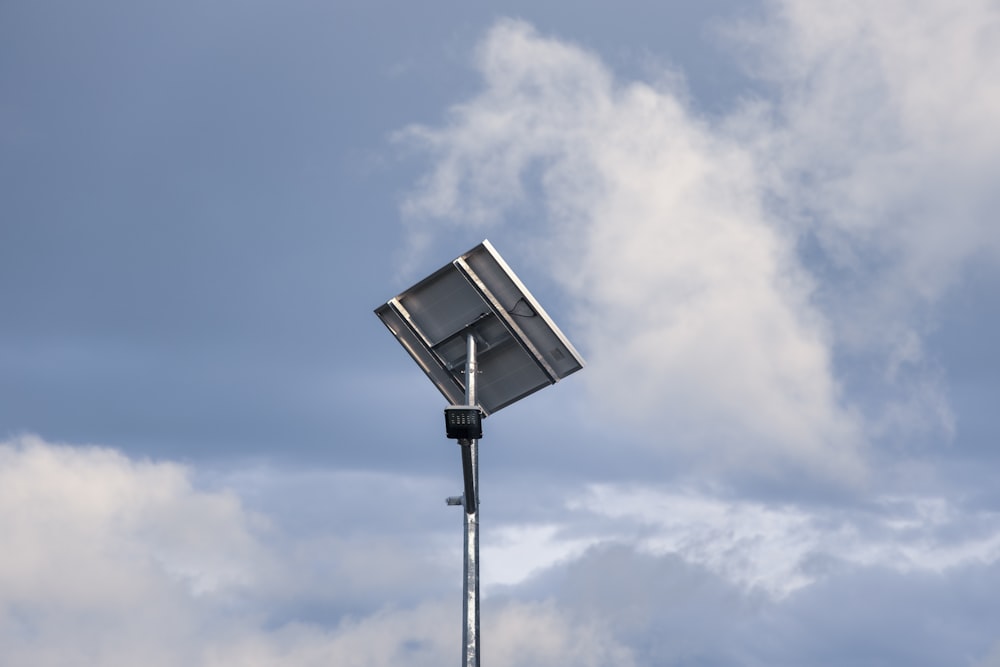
{"x": 112, "y": 558}
{"x": 670, "y": 611}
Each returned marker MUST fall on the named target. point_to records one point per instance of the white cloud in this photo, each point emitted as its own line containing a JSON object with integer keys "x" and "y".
{"x": 106, "y": 559}
{"x": 77, "y": 516}
{"x": 692, "y": 305}
{"x": 771, "y": 549}
{"x": 719, "y": 267}
{"x": 512, "y": 553}
{"x": 889, "y": 137}
{"x": 886, "y": 143}
{"x": 541, "y": 634}
{"x": 777, "y": 548}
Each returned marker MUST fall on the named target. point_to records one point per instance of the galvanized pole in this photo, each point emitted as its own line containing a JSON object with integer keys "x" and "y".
{"x": 470, "y": 634}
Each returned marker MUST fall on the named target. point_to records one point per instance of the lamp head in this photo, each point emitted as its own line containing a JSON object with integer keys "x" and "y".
{"x": 463, "y": 422}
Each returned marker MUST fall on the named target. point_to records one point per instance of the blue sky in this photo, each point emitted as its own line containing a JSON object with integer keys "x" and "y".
{"x": 768, "y": 227}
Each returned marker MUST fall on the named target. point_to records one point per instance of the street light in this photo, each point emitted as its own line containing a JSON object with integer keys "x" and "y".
{"x": 485, "y": 342}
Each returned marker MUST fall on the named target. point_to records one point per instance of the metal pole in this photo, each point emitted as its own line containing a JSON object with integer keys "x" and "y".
{"x": 470, "y": 634}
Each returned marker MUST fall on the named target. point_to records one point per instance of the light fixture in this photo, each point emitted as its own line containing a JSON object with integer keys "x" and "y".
{"x": 463, "y": 422}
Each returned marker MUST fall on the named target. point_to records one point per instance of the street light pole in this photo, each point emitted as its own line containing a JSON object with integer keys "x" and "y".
{"x": 470, "y": 471}
{"x": 477, "y": 299}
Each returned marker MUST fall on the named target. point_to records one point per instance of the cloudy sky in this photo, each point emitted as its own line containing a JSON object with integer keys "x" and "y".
{"x": 769, "y": 227}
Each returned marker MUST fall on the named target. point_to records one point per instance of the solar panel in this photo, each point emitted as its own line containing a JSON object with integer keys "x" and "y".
{"x": 519, "y": 348}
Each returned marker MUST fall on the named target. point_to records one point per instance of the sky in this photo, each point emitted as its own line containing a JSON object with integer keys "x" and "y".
{"x": 768, "y": 226}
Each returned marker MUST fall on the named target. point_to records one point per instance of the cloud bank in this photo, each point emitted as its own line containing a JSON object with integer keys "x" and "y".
{"x": 110, "y": 561}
